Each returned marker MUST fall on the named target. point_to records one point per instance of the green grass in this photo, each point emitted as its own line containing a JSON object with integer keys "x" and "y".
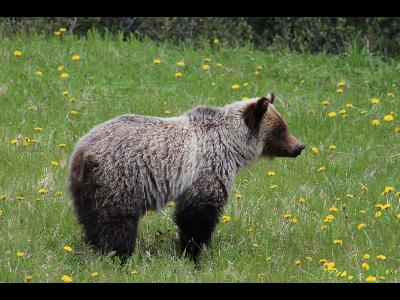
{"x": 116, "y": 77}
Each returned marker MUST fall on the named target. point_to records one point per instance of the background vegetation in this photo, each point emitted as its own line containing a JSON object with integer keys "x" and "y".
{"x": 313, "y": 34}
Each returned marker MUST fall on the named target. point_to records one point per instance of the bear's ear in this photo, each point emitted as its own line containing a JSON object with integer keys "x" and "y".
{"x": 271, "y": 97}
{"x": 254, "y": 112}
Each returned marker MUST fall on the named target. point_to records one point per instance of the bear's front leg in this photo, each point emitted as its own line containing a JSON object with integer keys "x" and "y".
{"x": 197, "y": 213}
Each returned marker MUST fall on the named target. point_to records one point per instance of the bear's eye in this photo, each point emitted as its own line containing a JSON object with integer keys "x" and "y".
{"x": 279, "y": 131}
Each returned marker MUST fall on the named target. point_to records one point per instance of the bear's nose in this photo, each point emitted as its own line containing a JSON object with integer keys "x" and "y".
{"x": 298, "y": 149}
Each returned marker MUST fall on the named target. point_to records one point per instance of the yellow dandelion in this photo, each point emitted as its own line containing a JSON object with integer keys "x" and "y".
{"x": 332, "y": 147}
{"x": 238, "y": 195}
{"x": 255, "y": 245}
{"x": 361, "y": 226}
{"x": 38, "y": 129}
{"x": 54, "y": 163}
{"x": 322, "y": 261}
{"x": 320, "y": 169}
{"x": 374, "y": 100}
{"x": 64, "y": 75}
{"x": 302, "y": 200}
{"x": 134, "y": 272}
{"x": 365, "y": 266}
{"x": 219, "y": 65}
{"x": 205, "y": 67}
{"x": 390, "y": 94}
{"x": 331, "y": 114}
{"x": 58, "y": 194}
{"x": 349, "y": 105}
{"x": 235, "y": 86}
{"x": 388, "y": 118}
{"x": 325, "y": 102}
{"x": 167, "y": 112}
{"x": 342, "y": 112}
{"x": 26, "y": 141}
{"x": 76, "y": 57}
{"x": 375, "y": 122}
{"x": 57, "y": 33}
{"x": 297, "y": 262}
{"x": 39, "y": 73}
{"x": 350, "y": 277}
{"x": 302, "y": 81}
{"x": 333, "y": 209}
{"x": 42, "y": 191}
{"x": 94, "y": 274}
{"x": 178, "y": 74}
{"x": 67, "y": 278}
{"x": 19, "y": 198}
{"x": 349, "y": 196}
{"x": 308, "y": 258}
{"x": 207, "y": 60}
{"x": 20, "y": 253}
{"x": 257, "y": 73}
{"x": 62, "y": 29}
{"x": 274, "y": 187}
{"x": 370, "y": 279}
{"x": 68, "y": 248}
{"x": 28, "y": 277}
{"x": 330, "y": 266}
{"x": 389, "y": 189}
{"x": 245, "y": 98}
{"x": 73, "y": 113}
{"x": 226, "y": 219}
{"x": 364, "y": 188}
{"x": 261, "y": 275}
{"x": 366, "y": 256}
{"x": 271, "y": 173}
{"x": 341, "y": 83}
{"x": 17, "y": 53}
{"x": 339, "y": 91}
{"x": 329, "y": 219}
{"x": 381, "y": 257}
{"x": 314, "y": 149}
{"x": 60, "y": 68}
{"x": 287, "y": 216}
{"x": 157, "y": 61}
{"x": 62, "y": 145}
{"x": 338, "y": 242}
{"x": 378, "y": 214}
{"x": 216, "y": 41}
{"x": 14, "y": 142}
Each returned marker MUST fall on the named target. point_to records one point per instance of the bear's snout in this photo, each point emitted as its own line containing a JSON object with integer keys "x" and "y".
{"x": 297, "y": 150}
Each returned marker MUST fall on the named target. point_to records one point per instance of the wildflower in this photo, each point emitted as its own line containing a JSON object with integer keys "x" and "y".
{"x": 365, "y": 266}
{"x": 238, "y": 195}
{"x": 326, "y": 102}
{"x": 349, "y": 105}
{"x": 206, "y": 60}
{"x": 342, "y": 112}
{"x": 73, "y": 112}
{"x": 374, "y": 100}
{"x": 178, "y": 74}
{"x": 94, "y": 274}
{"x": 375, "y": 122}
{"x": 60, "y": 68}
{"x": 255, "y": 245}
{"x": 216, "y": 41}
{"x": 343, "y": 274}
{"x": 370, "y": 279}
{"x": 287, "y": 216}
{"x": 245, "y": 84}
{"x": 180, "y": 63}
{"x": 314, "y": 149}
{"x": 26, "y": 141}
{"x": 258, "y": 68}
{"x": 42, "y": 191}
{"x": 331, "y": 114}
{"x": 332, "y": 147}
{"x": 330, "y": 266}
{"x": 363, "y": 211}
{"x": 64, "y": 75}
{"x": 76, "y": 57}
{"x": 57, "y": 33}
{"x": 350, "y": 277}
{"x": 389, "y": 189}
{"x": 366, "y": 256}
{"x": 20, "y": 253}
{"x": 219, "y": 65}
{"x": 167, "y": 112}
{"x": 383, "y": 206}
{"x": 293, "y": 220}
{"x": 388, "y": 118}
{"x": 361, "y": 226}
{"x": 349, "y": 196}
{"x": 257, "y": 73}
{"x": 329, "y": 219}
{"x": 338, "y": 242}
{"x": 302, "y": 81}
{"x": 38, "y": 128}
{"x": 58, "y": 194}
{"x": 274, "y": 186}
{"x": 302, "y": 200}
{"x": 333, "y": 209}
{"x": 398, "y": 194}
{"x": 364, "y": 188}
{"x": 235, "y": 86}
{"x": 62, "y": 145}
{"x": 205, "y": 67}
{"x": 171, "y": 203}
{"x": 19, "y": 198}
{"x": 39, "y": 73}
{"x": 339, "y": 91}
{"x": 297, "y": 262}
{"x": 398, "y": 216}
{"x": 17, "y": 53}
{"x": 226, "y": 219}
{"x": 261, "y": 275}
{"x": 62, "y": 29}
{"x": 157, "y": 61}
{"x": 54, "y": 163}
{"x": 320, "y": 169}
{"x": 28, "y": 277}
{"x": 341, "y": 83}
{"x": 378, "y": 214}
{"x": 390, "y": 94}
{"x": 14, "y": 142}
{"x": 68, "y": 248}
{"x": 67, "y": 278}
{"x": 134, "y": 272}
{"x": 271, "y": 173}
{"x": 381, "y": 257}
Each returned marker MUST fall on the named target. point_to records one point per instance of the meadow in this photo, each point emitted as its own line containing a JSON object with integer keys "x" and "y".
{"x": 330, "y": 215}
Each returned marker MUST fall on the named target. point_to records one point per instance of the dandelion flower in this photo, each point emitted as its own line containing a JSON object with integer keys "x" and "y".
{"x": 14, "y": 142}
{"x": 349, "y": 105}
{"x": 28, "y": 277}
{"x": 297, "y": 262}
{"x": 365, "y": 266}
{"x": 374, "y": 100}
{"x": 261, "y": 275}
{"x": 342, "y": 112}
{"x": 38, "y": 129}
{"x": 134, "y": 272}
{"x": 178, "y": 74}
{"x": 341, "y": 83}
{"x": 17, "y": 53}
{"x": 329, "y": 219}
{"x": 361, "y": 226}
{"x": 73, "y": 112}
{"x": 64, "y": 75}
{"x": 320, "y": 169}
{"x": 216, "y": 41}
{"x": 338, "y": 242}
{"x": 60, "y": 68}
{"x": 302, "y": 81}
{"x": 20, "y": 253}
{"x": 76, "y": 57}
{"x": 180, "y": 63}
{"x": 207, "y": 60}
{"x": 339, "y": 91}
{"x": 26, "y": 141}
{"x": 54, "y": 163}
{"x": 349, "y": 196}
{"x": 235, "y": 86}
{"x": 62, "y": 145}
{"x": 219, "y": 65}
{"x": 293, "y": 220}
{"x": 287, "y": 216}
{"x": 39, "y": 73}
{"x": 390, "y": 94}
{"x": 330, "y": 266}
{"x": 238, "y": 195}
{"x": 326, "y": 102}
{"x": 350, "y": 277}
{"x": 331, "y": 114}
{"x": 274, "y": 187}
{"x": 205, "y": 67}
{"x": 271, "y": 173}
{"x": 381, "y": 257}
{"x": 375, "y": 122}
{"x": 389, "y": 189}
{"x": 364, "y": 188}
{"x": 157, "y": 61}
{"x": 378, "y": 214}
{"x": 57, "y": 33}
{"x": 67, "y": 278}
{"x": 370, "y": 279}
{"x": 388, "y": 118}
{"x": 19, "y": 198}
{"x": 58, "y": 194}
{"x": 314, "y": 149}
{"x": 333, "y": 209}
{"x": 42, "y": 191}
{"x": 226, "y": 219}
{"x": 308, "y": 258}
{"x": 94, "y": 274}
{"x": 62, "y": 29}
{"x": 68, "y": 248}
{"x": 302, "y": 200}
{"x": 366, "y": 256}
{"x": 332, "y": 147}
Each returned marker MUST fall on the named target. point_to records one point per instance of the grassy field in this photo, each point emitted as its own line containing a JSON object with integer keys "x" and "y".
{"x": 291, "y": 220}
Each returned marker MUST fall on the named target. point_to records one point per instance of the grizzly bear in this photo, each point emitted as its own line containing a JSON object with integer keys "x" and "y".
{"x": 131, "y": 164}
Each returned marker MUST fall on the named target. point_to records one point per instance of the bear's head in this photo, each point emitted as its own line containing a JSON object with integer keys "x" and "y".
{"x": 267, "y": 125}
